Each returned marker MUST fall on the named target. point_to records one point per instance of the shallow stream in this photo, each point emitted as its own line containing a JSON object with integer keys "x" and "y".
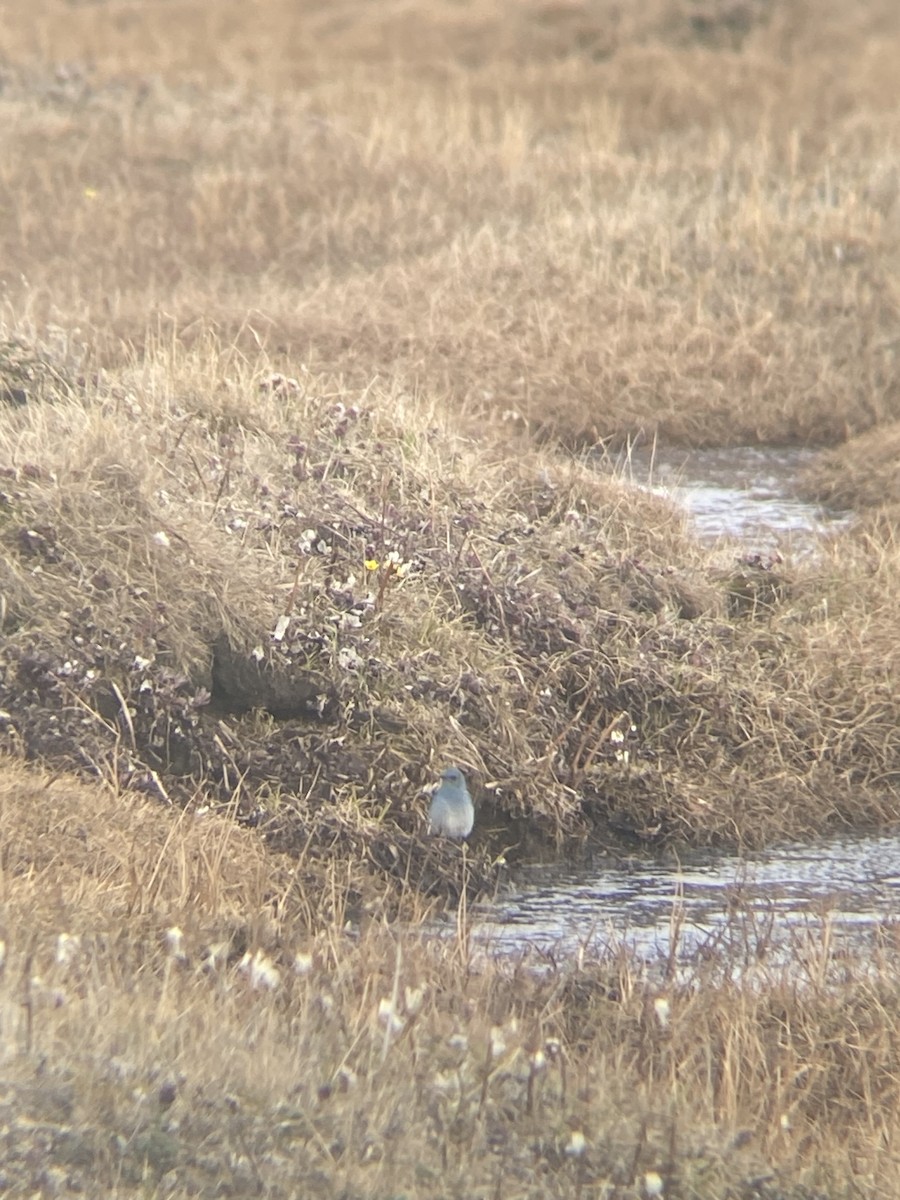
{"x": 667, "y": 909}
{"x": 745, "y": 492}
{"x": 842, "y": 889}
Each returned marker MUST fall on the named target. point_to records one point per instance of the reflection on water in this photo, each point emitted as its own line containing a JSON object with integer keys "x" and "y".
{"x": 853, "y": 884}
{"x": 746, "y": 492}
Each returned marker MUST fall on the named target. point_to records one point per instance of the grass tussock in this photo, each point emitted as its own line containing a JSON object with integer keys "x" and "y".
{"x": 861, "y": 474}
{"x": 303, "y": 600}
{"x": 170, "y": 1027}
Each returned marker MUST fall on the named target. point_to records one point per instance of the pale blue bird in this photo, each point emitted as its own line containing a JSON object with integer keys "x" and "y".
{"x": 451, "y": 813}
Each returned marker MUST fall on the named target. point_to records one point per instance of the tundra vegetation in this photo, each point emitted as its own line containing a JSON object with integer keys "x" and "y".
{"x": 326, "y": 331}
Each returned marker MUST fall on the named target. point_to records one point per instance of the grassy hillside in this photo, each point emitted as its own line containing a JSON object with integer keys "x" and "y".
{"x": 325, "y": 330}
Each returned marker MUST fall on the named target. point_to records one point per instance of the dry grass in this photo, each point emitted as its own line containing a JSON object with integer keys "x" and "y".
{"x": 170, "y": 1029}
{"x": 314, "y": 319}
{"x": 862, "y": 473}
{"x": 613, "y": 225}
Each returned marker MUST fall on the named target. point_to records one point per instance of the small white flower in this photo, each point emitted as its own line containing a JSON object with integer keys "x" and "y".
{"x": 302, "y": 963}
{"x": 662, "y": 1009}
{"x": 388, "y": 1016}
{"x": 459, "y": 1042}
{"x": 175, "y": 942}
{"x": 345, "y": 585}
{"x": 577, "y": 1144}
{"x": 260, "y": 971}
{"x": 653, "y": 1183}
{"x": 617, "y": 736}
{"x": 498, "y": 1045}
{"x": 394, "y": 563}
{"x": 162, "y": 538}
{"x": 538, "y": 1061}
{"x": 67, "y": 948}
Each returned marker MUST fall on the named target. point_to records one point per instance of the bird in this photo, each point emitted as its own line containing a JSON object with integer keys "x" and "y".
{"x": 451, "y": 813}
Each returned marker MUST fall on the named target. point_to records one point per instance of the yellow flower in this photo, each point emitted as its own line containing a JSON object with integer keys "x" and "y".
{"x": 371, "y": 564}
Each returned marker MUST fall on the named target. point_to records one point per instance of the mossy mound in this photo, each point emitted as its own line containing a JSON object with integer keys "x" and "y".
{"x": 303, "y": 602}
